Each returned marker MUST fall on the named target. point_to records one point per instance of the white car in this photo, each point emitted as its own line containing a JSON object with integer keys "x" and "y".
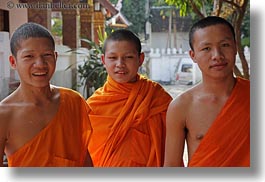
{"x": 188, "y": 72}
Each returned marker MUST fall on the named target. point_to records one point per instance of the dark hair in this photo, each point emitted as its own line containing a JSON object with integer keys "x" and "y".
{"x": 206, "y": 22}
{"x": 26, "y": 31}
{"x": 123, "y": 35}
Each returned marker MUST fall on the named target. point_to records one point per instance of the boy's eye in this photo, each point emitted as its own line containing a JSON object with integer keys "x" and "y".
{"x": 129, "y": 57}
{"x": 225, "y": 45}
{"x": 206, "y": 49}
{"x": 48, "y": 54}
{"x": 28, "y": 56}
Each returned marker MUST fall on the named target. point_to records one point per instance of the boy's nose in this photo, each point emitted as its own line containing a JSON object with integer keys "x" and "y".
{"x": 217, "y": 54}
{"x": 120, "y": 62}
{"x": 40, "y": 61}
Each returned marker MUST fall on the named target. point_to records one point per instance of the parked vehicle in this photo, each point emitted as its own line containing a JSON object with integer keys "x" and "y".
{"x": 188, "y": 72}
{"x": 5, "y": 163}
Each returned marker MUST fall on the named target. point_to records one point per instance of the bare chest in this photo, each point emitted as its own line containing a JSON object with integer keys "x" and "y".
{"x": 201, "y": 116}
{"x": 26, "y": 123}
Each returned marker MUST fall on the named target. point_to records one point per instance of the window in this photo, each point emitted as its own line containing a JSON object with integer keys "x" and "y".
{"x": 186, "y": 68}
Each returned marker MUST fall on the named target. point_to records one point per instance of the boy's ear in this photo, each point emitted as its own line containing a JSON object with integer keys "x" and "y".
{"x": 192, "y": 55}
{"x": 13, "y": 62}
{"x": 141, "y": 60}
{"x": 55, "y": 55}
{"x": 103, "y": 58}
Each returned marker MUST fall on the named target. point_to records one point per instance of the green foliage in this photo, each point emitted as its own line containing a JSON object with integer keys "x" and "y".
{"x": 245, "y": 42}
{"x": 134, "y": 11}
{"x": 57, "y": 27}
{"x": 185, "y": 7}
{"x": 245, "y": 28}
{"x": 135, "y": 15}
{"x": 114, "y": 1}
{"x": 102, "y": 37}
{"x": 92, "y": 73}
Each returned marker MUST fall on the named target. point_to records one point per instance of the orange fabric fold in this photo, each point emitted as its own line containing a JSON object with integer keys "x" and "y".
{"x": 128, "y": 122}
{"x": 63, "y": 142}
{"x": 227, "y": 142}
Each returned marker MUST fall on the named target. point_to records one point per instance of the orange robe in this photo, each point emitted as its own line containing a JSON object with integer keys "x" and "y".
{"x": 63, "y": 142}
{"x": 128, "y": 122}
{"x": 227, "y": 142}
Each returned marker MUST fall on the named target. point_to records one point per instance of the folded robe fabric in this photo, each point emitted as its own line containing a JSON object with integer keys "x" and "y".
{"x": 63, "y": 142}
{"x": 227, "y": 142}
{"x": 128, "y": 122}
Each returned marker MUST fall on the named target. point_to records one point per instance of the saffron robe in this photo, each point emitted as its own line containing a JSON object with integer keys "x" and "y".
{"x": 63, "y": 142}
{"x": 227, "y": 142}
{"x": 128, "y": 122}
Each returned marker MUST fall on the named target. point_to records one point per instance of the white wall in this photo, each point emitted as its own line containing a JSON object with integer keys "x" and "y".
{"x": 63, "y": 75}
{"x": 159, "y": 40}
{"x": 17, "y": 16}
{"x": 163, "y": 65}
{"x": 4, "y": 64}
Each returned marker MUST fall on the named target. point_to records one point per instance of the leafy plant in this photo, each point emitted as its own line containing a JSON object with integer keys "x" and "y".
{"x": 93, "y": 73}
{"x": 57, "y": 29}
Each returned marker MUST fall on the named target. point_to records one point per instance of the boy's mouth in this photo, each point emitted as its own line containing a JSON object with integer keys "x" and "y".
{"x": 39, "y": 73}
{"x": 120, "y": 72}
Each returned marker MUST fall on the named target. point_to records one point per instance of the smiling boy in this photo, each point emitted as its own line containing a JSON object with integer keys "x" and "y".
{"x": 41, "y": 124}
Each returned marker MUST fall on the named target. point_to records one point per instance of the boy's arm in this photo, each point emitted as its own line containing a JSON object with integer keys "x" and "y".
{"x": 88, "y": 161}
{"x": 175, "y": 133}
{"x": 2, "y": 147}
{"x": 3, "y": 131}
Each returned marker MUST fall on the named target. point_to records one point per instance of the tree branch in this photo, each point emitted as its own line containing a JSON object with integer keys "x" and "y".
{"x": 196, "y": 9}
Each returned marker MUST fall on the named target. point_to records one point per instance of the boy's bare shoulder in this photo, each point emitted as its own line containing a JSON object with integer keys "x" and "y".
{"x": 7, "y": 106}
{"x": 185, "y": 98}
{"x": 5, "y": 114}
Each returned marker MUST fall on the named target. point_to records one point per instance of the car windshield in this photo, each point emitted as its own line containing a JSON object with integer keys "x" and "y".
{"x": 186, "y": 68}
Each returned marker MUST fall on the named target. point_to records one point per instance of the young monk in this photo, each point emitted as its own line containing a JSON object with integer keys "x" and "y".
{"x": 128, "y": 113}
{"x": 214, "y": 116}
{"x": 41, "y": 124}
